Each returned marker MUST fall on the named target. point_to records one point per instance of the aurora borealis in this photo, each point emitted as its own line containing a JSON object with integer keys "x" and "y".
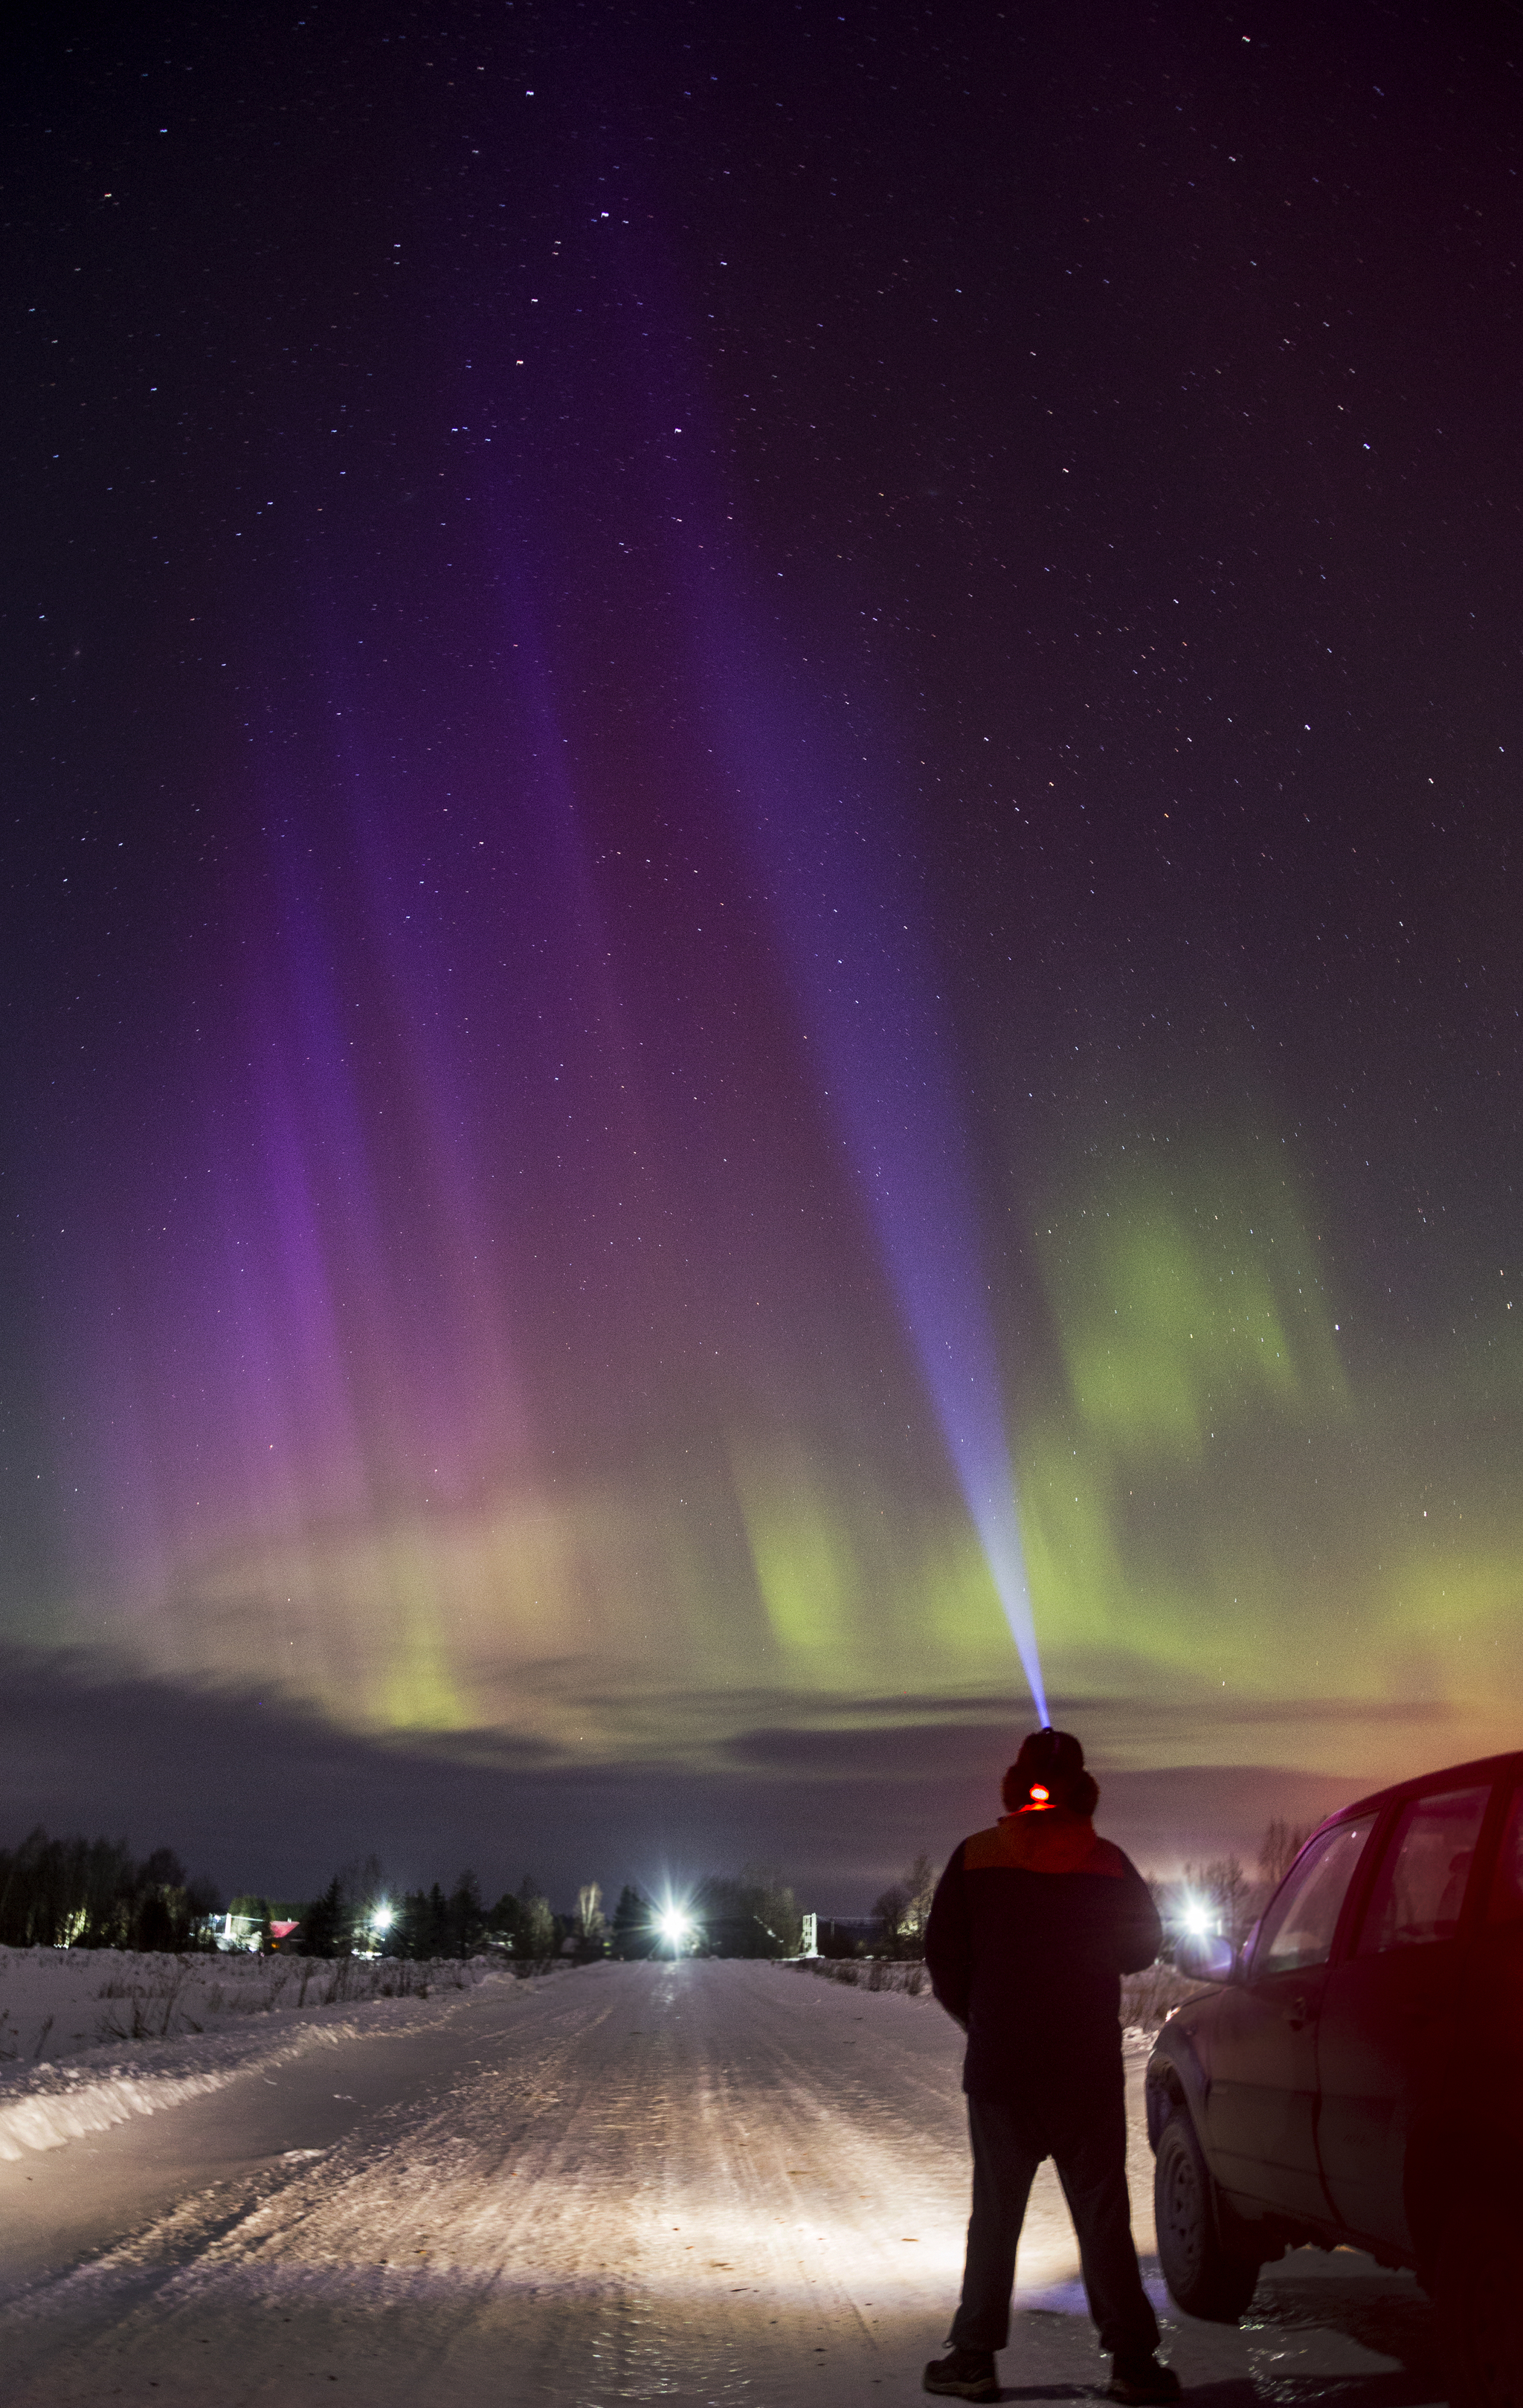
{"x": 755, "y": 759}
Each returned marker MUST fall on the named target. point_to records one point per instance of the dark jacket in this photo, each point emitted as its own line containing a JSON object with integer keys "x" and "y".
{"x": 1033, "y": 1925}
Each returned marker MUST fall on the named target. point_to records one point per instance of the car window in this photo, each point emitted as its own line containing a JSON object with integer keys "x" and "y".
{"x": 1420, "y": 1887}
{"x": 1298, "y": 1927}
{"x": 1506, "y": 1904}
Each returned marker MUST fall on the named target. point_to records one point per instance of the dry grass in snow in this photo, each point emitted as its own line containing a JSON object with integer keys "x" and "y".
{"x": 89, "y": 2037}
{"x": 1146, "y": 1999}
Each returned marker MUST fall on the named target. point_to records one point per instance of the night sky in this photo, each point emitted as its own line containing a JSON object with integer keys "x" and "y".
{"x": 761, "y": 920}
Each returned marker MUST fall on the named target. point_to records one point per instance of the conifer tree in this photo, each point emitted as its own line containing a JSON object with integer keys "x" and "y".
{"x": 633, "y": 1922}
{"x": 324, "y": 1926}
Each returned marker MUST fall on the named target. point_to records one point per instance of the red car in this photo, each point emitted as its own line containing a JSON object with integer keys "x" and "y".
{"x": 1356, "y": 2074}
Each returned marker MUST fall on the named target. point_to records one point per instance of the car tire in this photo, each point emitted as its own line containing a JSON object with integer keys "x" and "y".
{"x": 1477, "y": 2288}
{"x": 1204, "y": 2279}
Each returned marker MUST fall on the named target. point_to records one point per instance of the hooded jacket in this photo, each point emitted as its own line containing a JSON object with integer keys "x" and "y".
{"x": 1033, "y": 1923}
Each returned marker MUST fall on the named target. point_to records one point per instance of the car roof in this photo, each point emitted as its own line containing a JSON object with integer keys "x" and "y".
{"x": 1456, "y": 1776}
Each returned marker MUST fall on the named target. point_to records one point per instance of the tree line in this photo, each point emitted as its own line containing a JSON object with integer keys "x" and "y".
{"x": 83, "y": 1893}
{"x": 753, "y": 1913}
{"x": 79, "y": 1893}
{"x": 359, "y": 1915}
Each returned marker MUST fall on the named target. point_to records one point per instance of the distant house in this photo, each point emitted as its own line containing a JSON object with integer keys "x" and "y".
{"x": 282, "y": 1935}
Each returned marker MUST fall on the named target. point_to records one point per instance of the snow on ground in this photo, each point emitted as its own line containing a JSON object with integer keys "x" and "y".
{"x": 89, "y": 2037}
{"x": 694, "y": 2182}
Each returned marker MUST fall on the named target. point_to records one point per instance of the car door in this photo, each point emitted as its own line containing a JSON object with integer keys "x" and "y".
{"x": 1261, "y": 2101}
{"x": 1386, "y": 2030}
{"x": 1489, "y": 2043}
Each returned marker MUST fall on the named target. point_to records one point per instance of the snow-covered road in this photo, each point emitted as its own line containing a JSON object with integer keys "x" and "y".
{"x": 692, "y": 2181}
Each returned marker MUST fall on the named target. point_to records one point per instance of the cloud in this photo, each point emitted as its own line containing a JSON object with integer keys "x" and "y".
{"x": 268, "y": 1796}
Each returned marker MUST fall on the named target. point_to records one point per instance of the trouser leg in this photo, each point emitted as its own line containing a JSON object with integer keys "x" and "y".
{"x": 1004, "y": 2163}
{"x": 1092, "y": 2169}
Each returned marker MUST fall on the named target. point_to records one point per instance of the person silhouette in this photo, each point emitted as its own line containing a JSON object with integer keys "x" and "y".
{"x": 1033, "y": 1923}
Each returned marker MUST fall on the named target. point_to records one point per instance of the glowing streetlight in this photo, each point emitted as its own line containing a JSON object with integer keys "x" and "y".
{"x": 674, "y": 1927}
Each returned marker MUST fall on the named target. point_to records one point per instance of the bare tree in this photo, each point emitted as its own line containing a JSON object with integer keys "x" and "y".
{"x": 775, "y": 1905}
{"x": 1227, "y": 1886}
{"x": 750, "y": 1913}
{"x": 1281, "y": 1845}
{"x": 536, "y": 1923}
{"x": 920, "y": 1882}
{"x": 889, "y": 1912}
{"x": 903, "y": 1911}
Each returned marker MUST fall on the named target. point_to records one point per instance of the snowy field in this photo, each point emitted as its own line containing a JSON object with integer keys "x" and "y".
{"x": 91, "y": 2037}
{"x": 717, "y": 2181}
{"x": 57, "y": 2002}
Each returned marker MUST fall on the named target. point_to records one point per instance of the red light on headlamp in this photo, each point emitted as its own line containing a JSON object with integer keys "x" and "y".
{"x": 1039, "y": 1794}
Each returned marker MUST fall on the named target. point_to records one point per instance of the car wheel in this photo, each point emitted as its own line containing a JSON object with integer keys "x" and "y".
{"x": 1477, "y": 2285}
{"x": 1204, "y": 2278}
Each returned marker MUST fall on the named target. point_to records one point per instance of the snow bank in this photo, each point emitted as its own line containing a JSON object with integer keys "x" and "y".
{"x": 1147, "y": 1999}
{"x": 867, "y": 1973}
{"x": 90, "y": 2038}
{"x": 46, "y": 2119}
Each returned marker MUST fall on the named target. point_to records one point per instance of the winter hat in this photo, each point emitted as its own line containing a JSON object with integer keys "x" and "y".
{"x": 1053, "y": 1761}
